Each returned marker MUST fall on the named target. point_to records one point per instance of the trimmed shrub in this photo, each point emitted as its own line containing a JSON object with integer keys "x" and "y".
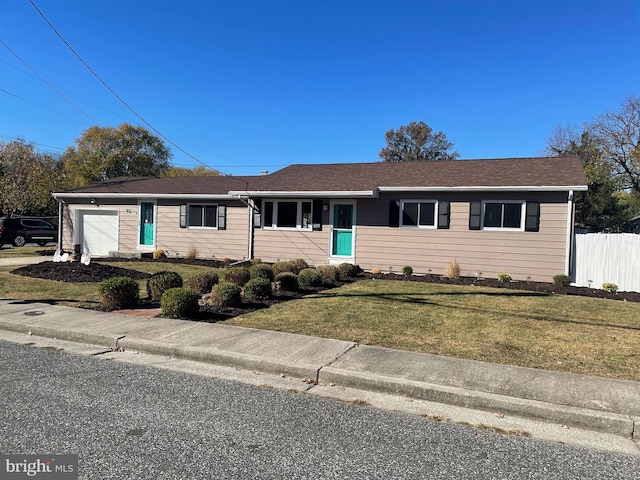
{"x": 329, "y": 273}
{"x": 179, "y": 303}
{"x": 119, "y": 292}
{"x": 376, "y": 271}
{"x": 504, "y": 277}
{"x": 562, "y": 280}
{"x": 262, "y": 270}
{"x": 237, "y": 275}
{"x": 203, "y": 282}
{"x": 257, "y": 289}
{"x": 347, "y": 271}
{"x": 407, "y": 271}
{"x": 309, "y": 277}
{"x": 281, "y": 267}
{"x": 298, "y": 265}
{"x": 162, "y": 281}
{"x": 288, "y": 281}
{"x": 226, "y": 294}
{"x": 610, "y": 287}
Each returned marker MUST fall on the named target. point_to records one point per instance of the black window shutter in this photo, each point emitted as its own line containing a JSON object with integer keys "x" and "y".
{"x": 222, "y": 217}
{"x": 444, "y": 214}
{"x": 394, "y": 213}
{"x": 475, "y": 215}
{"x": 532, "y": 219}
{"x": 183, "y": 216}
{"x": 316, "y": 215}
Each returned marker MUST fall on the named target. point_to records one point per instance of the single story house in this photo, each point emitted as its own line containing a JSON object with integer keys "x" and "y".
{"x": 490, "y": 216}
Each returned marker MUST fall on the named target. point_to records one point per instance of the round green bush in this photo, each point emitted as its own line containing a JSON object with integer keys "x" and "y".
{"x": 179, "y": 303}
{"x": 329, "y": 273}
{"x": 261, "y": 270}
{"x": 203, "y": 282}
{"x": 348, "y": 271}
{"x": 407, "y": 271}
{"x": 257, "y": 289}
{"x": 287, "y": 281}
{"x": 119, "y": 292}
{"x": 562, "y": 280}
{"x": 226, "y": 294}
{"x": 309, "y": 277}
{"x": 298, "y": 265}
{"x": 237, "y": 275}
{"x": 162, "y": 281}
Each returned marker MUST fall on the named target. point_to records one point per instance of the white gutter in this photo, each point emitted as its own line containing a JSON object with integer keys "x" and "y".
{"x": 306, "y": 193}
{"x": 187, "y": 196}
{"x": 537, "y": 188}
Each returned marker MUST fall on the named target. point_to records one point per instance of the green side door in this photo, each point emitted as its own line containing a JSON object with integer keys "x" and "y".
{"x": 146, "y": 223}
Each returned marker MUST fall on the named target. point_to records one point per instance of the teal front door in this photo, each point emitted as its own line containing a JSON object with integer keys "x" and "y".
{"x": 342, "y": 230}
{"x": 146, "y": 223}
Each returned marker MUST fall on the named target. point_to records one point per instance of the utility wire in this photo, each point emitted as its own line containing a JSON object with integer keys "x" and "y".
{"x": 47, "y": 83}
{"x": 110, "y": 89}
{"x": 2, "y": 90}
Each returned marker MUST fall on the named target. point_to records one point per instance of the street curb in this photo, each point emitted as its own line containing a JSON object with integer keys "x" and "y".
{"x": 223, "y": 358}
{"x": 596, "y": 420}
{"x": 208, "y": 355}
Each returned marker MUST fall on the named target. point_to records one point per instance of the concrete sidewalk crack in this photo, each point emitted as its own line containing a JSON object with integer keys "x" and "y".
{"x": 334, "y": 360}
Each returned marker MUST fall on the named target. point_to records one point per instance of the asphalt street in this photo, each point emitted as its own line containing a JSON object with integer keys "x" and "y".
{"x": 136, "y": 422}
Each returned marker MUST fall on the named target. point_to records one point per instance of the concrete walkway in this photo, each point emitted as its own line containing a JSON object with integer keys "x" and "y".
{"x": 592, "y": 403}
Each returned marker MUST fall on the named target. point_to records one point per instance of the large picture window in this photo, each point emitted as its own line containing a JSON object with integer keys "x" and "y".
{"x": 287, "y": 214}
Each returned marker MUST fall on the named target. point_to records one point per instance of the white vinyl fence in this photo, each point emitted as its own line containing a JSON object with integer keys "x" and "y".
{"x": 607, "y": 258}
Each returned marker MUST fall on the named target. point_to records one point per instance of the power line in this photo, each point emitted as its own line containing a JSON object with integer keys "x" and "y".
{"x": 47, "y": 83}
{"x": 37, "y": 105}
{"x": 77, "y": 55}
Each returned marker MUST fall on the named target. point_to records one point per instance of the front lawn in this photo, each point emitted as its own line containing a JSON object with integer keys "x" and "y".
{"x": 532, "y": 329}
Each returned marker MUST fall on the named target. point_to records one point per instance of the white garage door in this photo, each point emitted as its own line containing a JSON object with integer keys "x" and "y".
{"x": 99, "y": 232}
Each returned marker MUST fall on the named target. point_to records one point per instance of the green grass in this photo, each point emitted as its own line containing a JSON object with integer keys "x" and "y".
{"x": 7, "y": 251}
{"x": 555, "y": 332}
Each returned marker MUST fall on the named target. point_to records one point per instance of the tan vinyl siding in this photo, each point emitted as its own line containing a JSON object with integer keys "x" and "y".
{"x": 275, "y": 245}
{"x": 535, "y": 256}
{"x": 231, "y": 243}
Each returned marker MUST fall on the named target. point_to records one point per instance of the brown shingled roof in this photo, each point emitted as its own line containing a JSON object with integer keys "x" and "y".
{"x": 515, "y": 172}
{"x": 561, "y": 172}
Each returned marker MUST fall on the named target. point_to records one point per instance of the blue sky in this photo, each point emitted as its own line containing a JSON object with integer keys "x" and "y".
{"x": 246, "y": 86}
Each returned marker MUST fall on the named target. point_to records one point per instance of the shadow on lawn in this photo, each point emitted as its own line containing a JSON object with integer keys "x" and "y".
{"x": 403, "y": 297}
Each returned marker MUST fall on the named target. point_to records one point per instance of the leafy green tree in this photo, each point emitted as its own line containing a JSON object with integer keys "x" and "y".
{"x": 107, "y": 152}
{"x": 27, "y": 180}
{"x": 602, "y": 207}
{"x": 199, "y": 171}
{"x": 416, "y": 142}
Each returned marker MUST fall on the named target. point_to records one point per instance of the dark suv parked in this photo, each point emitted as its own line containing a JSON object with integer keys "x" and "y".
{"x": 21, "y": 230}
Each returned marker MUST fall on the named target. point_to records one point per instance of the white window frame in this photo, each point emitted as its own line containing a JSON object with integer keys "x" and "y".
{"x": 203, "y": 227}
{"x": 523, "y": 213}
{"x": 419, "y": 201}
{"x": 298, "y": 202}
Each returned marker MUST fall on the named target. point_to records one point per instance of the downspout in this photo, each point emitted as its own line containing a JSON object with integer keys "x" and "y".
{"x": 251, "y": 229}
{"x": 60, "y": 222}
{"x": 570, "y": 230}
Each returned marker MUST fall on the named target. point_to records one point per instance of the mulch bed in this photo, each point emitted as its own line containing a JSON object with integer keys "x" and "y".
{"x": 97, "y": 272}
